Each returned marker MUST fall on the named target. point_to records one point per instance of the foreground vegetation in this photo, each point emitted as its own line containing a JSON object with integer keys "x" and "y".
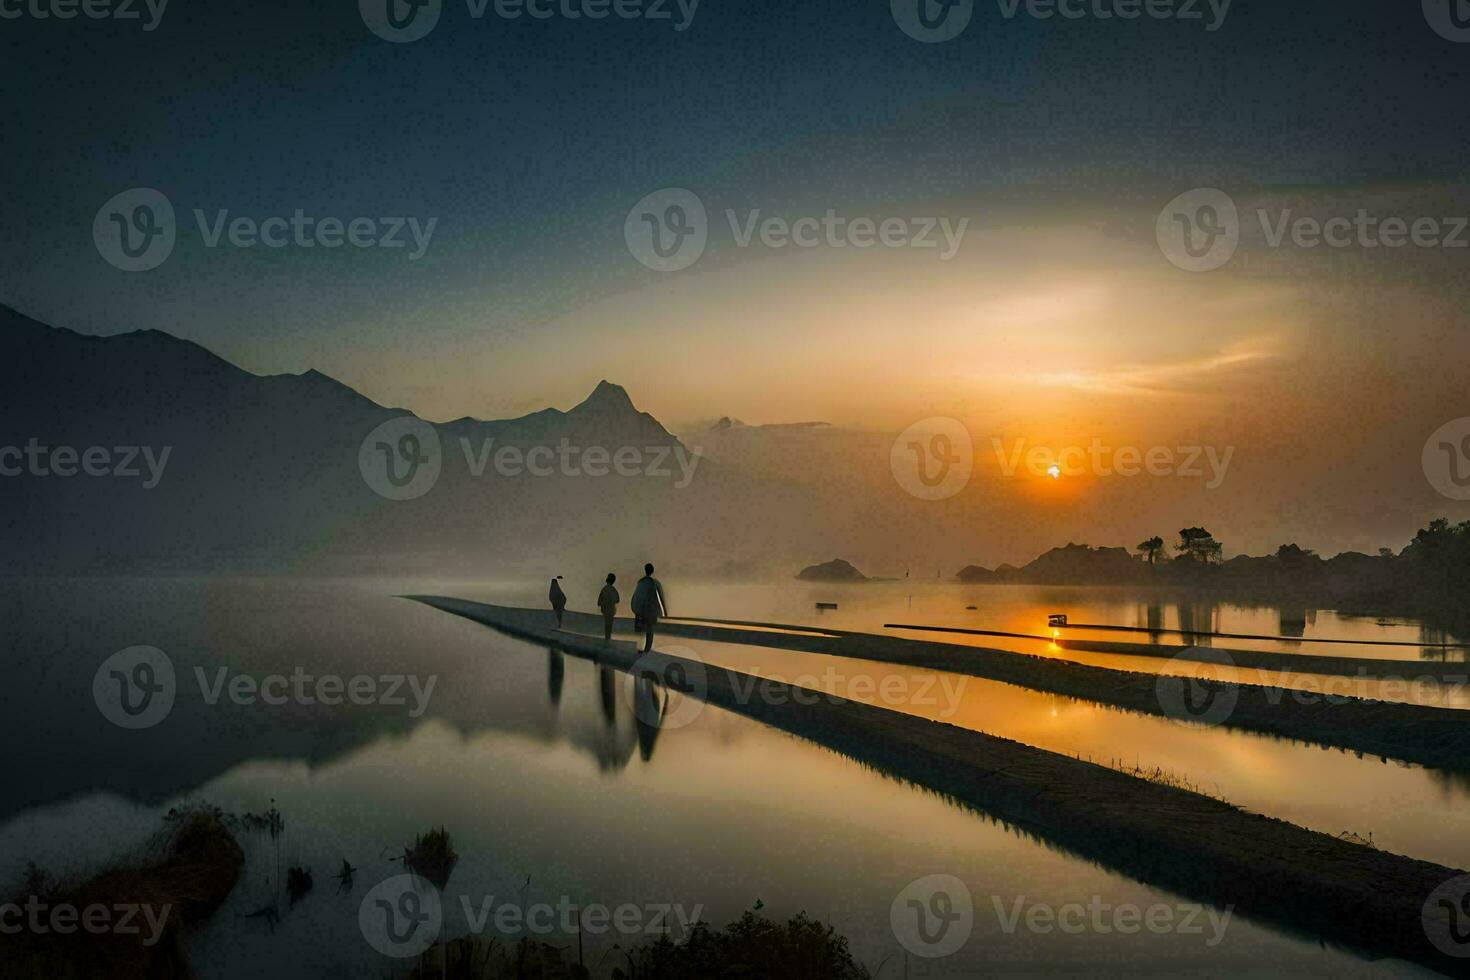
{"x": 753, "y": 946}
{"x": 187, "y": 870}
{"x": 183, "y": 875}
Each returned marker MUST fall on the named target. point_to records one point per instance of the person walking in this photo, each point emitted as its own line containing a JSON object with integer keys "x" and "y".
{"x": 607, "y": 601}
{"x": 558, "y": 600}
{"x": 648, "y": 604}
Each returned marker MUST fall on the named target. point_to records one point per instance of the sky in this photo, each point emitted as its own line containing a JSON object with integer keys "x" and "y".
{"x": 1047, "y": 147}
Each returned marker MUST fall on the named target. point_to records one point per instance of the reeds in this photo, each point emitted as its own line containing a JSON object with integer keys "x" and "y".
{"x": 432, "y": 857}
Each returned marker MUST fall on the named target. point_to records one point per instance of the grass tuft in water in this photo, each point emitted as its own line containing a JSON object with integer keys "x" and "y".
{"x": 432, "y": 857}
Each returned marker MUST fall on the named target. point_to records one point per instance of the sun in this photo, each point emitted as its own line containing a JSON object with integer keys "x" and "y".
{"x": 1054, "y": 471}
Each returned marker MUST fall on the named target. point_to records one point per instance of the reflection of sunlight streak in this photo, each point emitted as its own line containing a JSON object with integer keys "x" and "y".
{"x": 1328, "y": 792}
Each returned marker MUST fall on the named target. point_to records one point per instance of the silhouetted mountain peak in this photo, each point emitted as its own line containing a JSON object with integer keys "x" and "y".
{"x": 607, "y": 399}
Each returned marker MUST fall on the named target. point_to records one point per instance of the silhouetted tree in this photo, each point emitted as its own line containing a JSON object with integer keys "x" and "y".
{"x": 1151, "y": 549}
{"x": 1292, "y": 554}
{"x": 1198, "y": 544}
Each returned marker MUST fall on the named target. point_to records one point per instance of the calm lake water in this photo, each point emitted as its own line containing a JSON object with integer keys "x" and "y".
{"x": 555, "y": 795}
{"x": 1024, "y": 609}
{"x": 868, "y": 606}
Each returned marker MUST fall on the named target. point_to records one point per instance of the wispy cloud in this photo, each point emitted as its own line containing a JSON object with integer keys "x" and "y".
{"x": 1181, "y": 376}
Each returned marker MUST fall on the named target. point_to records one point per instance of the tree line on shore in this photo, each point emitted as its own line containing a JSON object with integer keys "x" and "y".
{"x": 1430, "y": 575}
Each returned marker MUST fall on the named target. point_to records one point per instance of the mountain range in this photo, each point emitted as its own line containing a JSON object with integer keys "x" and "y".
{"x": 143, "y": 451}
{"x": 146, "y": 453}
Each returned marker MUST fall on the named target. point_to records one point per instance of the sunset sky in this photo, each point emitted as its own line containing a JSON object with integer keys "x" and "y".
{"x": 1058, "y": 319}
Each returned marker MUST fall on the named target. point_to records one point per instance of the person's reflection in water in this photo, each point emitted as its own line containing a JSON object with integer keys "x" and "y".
{"x": 649, "y": 708}
{"x": 1292, "y": 621}
{"x": 556, "y": 670}
{"x": 607, "y": 683}
{"x": 1197, "y": 621}
{"x": 1436, "y": 645}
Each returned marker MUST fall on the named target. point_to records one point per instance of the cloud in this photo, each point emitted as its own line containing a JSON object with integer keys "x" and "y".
{"x": 1182, "y": 376}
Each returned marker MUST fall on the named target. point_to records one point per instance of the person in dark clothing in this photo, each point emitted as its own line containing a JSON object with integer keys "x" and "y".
{"x": 558, "y": 600}
{"x": 648, "y": 604}
{"x": 607, "y": 601}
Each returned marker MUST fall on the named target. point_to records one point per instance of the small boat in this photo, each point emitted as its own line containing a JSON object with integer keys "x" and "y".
{"x": 826, "y": 605}
{"x": 1056, "y": 619}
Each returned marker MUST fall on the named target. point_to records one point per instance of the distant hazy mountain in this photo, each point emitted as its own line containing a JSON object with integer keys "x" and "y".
{"x": 836, "y": 570}
{"x": 1073, "y": 564}
{"x": 145, "y": 451}
{"x": 801, "y": 452}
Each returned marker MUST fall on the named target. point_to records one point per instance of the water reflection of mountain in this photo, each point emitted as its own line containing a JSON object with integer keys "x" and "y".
{"x": 59, "y": 746}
